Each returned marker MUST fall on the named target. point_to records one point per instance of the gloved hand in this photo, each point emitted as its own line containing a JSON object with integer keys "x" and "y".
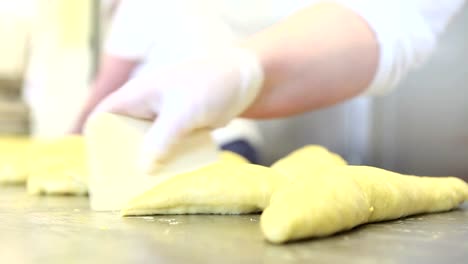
{"x": 203, "y": 93}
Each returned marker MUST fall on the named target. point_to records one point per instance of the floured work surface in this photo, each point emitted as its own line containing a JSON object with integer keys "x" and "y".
{"x": 64, "y": 229}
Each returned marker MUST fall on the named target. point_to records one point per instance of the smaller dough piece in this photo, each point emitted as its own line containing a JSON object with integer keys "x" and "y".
{"x": 347, "y": 196}
{"x": 220, "y": 188}
{"x": 13, "y": 160}
{"x": 307, "y": 162}
{"x": 58, "y": 167}
{"x": 66, "y": 177}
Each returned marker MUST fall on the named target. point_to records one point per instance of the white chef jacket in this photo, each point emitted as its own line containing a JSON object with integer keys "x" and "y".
{"x": 161, "y": 32}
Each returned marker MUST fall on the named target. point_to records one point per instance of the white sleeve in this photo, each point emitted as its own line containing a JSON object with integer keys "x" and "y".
{"x": 407, "y": 32}
{"x": 130, "y": 33}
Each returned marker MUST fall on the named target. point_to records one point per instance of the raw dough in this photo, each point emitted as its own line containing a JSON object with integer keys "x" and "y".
{"x": 58, "y": 166}
{"x": 13, "y": 160}
{"x": 220, "y": 188}
{"x": 307, "y": 162}
{"x": 347, "y": 196}
{"x": 114, "y": 145}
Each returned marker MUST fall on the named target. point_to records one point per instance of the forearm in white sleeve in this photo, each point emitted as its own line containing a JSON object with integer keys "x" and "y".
{"x": 407, "y": 32}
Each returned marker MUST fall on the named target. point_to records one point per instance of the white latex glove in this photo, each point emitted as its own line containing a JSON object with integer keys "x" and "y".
{"x": 204, "y": 93}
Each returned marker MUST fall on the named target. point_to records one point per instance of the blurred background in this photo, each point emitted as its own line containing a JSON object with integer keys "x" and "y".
{"x": 49, "y": 51}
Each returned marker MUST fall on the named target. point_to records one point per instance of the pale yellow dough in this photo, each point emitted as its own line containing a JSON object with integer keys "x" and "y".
{"x": 58, "y": 166}
{"x": 348, "y": 196}
{"x": 230, "y": 186}
{"x": 13, "y": 160}
{"x": 307, "y": 162}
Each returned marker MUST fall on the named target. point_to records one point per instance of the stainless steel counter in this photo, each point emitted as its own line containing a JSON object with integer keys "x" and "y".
{"x": 64, "y": 230}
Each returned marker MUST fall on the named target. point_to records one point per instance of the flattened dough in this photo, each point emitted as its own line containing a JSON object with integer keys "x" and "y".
{"x": 58, "y": 166}
{"x": 307, "y": 162}
{"x": 348, "y": 196}
{"x": 220, "y": 188}
{"x": 13, "y": 160}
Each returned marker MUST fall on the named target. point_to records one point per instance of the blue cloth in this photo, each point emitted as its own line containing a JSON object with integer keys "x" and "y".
{"x": 243, "y": 148}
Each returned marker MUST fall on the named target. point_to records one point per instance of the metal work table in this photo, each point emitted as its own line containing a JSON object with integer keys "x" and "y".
{"x": 64, "y": 230}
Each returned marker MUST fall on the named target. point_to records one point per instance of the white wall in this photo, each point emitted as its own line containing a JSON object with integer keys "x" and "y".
{"x": 423, "y": 127}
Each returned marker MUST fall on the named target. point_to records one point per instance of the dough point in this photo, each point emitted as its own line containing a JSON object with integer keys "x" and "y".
{"x": 220, "y": 188}
{"x": 348, "y": 196}
{"x": 58, "y": 166}
{"x": 13, "y": 160}
{"x": 307, "y": 162}
{"x": 229, "y": 156}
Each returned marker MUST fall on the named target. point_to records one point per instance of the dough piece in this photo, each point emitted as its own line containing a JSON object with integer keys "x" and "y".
{"x": 46, "y": 152}
{"x": 307, "y": 161}
{"x": 220, "y": 188}
{"x": 114, "y": 146}
{"x": 348, "y": 196}
{"x": 13, "y": 160}
{"x": 58, "y": 166}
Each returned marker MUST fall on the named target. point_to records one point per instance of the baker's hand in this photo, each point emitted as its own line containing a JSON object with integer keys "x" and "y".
{"x": 203, "y": 93}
